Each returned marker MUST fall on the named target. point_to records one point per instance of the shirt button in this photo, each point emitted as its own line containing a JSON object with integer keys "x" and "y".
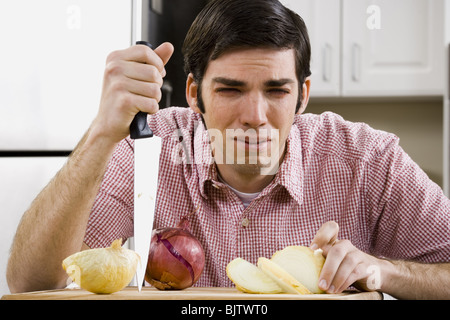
{"x": 245, "y": 222}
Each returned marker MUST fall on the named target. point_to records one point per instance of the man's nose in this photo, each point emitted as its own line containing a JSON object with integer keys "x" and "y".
{"x": 254, "y": 112}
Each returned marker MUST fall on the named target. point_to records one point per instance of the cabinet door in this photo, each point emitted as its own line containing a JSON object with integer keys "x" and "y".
{"x": 322, "y": 19}
{"x": 392, "y": 47}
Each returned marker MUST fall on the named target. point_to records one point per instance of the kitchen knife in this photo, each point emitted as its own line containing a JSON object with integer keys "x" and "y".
{"x": 146, "y": 165}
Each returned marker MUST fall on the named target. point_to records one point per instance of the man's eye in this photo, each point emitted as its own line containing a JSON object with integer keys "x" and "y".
{"x": 278, "y": 91}
{"x": 227, "y": 90}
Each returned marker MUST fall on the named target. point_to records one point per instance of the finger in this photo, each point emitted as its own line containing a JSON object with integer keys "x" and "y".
{"x": 325, "y": 236}
{"x": 150, "y": 71}
{"x": 142, "y": 72}
{"x": 158, "y": 57}
{"x": 165, "y": 51}
{"x": 141, "y": 103}
{"x": 358, "y": 273}
{"x": 145, "y": 89}
{"x": 139, "y": 53}
{"x": 117, "y": 82}
{"x": 347, "y": 273}
{"x": 332, "y": 263}
{"x": 139, "y": 95}
{"x": 144, "y": 55}
{"x": 133, "y": 70}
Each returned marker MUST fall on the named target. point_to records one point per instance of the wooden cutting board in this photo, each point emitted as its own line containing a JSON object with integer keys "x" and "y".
{"x": 149, "y": 293}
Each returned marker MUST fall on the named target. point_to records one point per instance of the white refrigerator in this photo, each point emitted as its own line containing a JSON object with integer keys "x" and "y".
{"x": 51, "y": 71}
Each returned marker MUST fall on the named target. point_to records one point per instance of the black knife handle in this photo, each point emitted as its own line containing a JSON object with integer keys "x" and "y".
{"x": 139, "y": 128}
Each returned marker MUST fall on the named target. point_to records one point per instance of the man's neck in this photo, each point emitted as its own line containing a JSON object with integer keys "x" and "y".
{"x": 247, "y": 182}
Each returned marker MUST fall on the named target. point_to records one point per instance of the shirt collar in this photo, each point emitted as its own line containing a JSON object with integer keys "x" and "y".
{"x": 289, "y": 175}
{"x": 203, "y": 159}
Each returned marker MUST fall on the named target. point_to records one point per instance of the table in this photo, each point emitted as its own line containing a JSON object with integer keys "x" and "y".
{"x": 195, "y": 293}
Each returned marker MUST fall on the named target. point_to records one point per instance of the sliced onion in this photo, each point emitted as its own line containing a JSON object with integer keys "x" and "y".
{"x": 303, "y": 264}
{"x": 249, "y": 278}
{"x": 295, "y": 270}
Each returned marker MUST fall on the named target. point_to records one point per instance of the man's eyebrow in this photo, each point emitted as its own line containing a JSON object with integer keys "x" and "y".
{"x": 278, "y": 82}
{"x": 238, "y": 83}
{"x": 229, "y": 82}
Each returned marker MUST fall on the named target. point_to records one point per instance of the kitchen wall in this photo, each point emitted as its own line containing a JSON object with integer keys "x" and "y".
{"x": 417, "y": 122}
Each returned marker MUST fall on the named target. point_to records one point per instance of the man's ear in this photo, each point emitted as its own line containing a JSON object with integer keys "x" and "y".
{"x": 305, "y": 95}
{"x": 191, "y": 93}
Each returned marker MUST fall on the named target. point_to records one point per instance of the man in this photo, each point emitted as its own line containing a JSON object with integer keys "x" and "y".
{"x": 262, "y": 174}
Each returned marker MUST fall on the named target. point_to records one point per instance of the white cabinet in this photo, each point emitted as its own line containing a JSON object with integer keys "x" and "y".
{"x": 392, "y": 47}
{"x": 323, "y": 21}
{"x": 375, "y": 47}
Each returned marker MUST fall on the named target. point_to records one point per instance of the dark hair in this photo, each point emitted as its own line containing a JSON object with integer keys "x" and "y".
{"x": 229, "y": 24}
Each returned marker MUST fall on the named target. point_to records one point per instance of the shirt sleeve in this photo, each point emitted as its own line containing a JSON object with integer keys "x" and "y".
{"x": 111, "y": 216}
{"x": 410, "y": 215}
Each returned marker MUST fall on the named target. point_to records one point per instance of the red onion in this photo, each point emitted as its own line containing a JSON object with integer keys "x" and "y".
{"x": 176, "y": 259}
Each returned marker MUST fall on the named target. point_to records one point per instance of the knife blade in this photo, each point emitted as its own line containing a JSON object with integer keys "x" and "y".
{"x": 146, "y": 166}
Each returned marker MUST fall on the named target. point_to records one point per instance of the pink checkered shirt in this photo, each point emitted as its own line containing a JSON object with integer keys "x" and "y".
{"x": 333, "y": 170}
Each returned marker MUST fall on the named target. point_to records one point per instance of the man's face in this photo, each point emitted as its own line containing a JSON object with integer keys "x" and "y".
{"x": 250, "y": 97}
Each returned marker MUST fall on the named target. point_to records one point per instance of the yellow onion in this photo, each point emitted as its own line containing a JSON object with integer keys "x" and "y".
{"x": 105, "y": 270}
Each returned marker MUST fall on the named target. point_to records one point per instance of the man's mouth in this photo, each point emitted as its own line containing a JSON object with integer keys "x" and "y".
{"x": 252, "y": 143}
